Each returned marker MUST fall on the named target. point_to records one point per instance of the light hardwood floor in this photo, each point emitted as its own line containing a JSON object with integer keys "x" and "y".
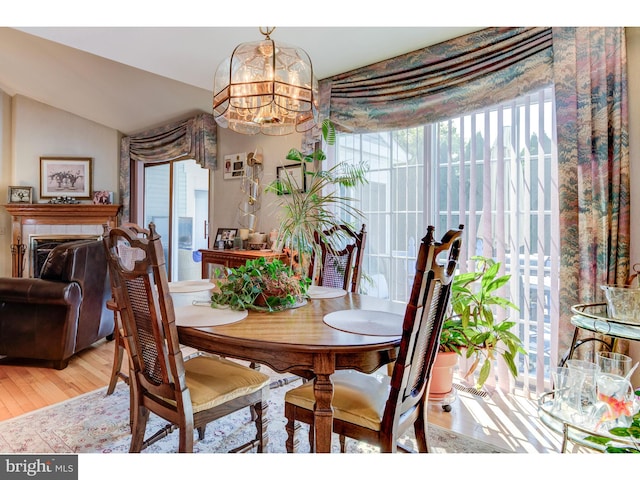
{"x": 27, "y": 386}
{"x": 507, "y": 421}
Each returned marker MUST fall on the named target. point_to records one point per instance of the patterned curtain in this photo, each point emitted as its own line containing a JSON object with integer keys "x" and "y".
{"x": 590, "y": 79}
{"x": 195, "y": 138}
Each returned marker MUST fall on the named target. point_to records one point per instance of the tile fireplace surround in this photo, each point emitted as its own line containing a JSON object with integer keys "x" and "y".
{"x": 42, "y": 219}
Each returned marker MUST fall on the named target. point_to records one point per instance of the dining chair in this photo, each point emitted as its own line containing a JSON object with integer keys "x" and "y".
{"x": 188, "y": 393}
{"x": 117, "y": 371}
{"x": 376, "y": 408}
{"x": 127, "y": 255}
{"x": 340, "y": 263}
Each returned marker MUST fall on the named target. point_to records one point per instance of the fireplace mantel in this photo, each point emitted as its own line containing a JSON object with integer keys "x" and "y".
{"x": 52, "y": 214}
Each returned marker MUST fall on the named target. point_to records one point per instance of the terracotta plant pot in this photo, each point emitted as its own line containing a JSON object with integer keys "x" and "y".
{"x": 442, "y": 373}
{"x": 261, "y": 300}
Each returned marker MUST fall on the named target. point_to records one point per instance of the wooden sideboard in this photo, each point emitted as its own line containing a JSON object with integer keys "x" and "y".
{"x": 234, "y": 258}
{"x": 52, "y": 214}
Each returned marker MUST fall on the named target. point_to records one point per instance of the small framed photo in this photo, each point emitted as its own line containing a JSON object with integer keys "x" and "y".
{"x": 65, "y": 177}
{"x": 224, "y": 238}
{"x": 102, "y": 197}
{"x": 294, "y": 178}
{"x": 20, "y": 194}
{"x": 234, "y": 165}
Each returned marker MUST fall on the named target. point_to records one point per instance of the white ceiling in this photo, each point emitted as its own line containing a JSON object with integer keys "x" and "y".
{"x": 134, "y": 78}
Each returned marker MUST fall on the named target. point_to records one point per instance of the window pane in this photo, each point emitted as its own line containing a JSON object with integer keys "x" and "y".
{"x": 176, "y": 199}
{"x": 157, "y": 201}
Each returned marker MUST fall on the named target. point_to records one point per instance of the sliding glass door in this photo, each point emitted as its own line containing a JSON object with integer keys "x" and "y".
{"x": 495, "y": 172}
{"x": 176, "y": 199}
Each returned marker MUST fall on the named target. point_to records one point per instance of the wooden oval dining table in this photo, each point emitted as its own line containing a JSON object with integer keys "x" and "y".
{"x": 298, "y": 340}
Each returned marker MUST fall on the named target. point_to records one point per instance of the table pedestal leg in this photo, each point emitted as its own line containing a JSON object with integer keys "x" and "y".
{"x": 322, "y": 410}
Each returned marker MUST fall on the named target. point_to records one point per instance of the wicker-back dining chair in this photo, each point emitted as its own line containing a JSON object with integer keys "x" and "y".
{"x": 340, "y": 262}
{"x": 377, "y": 408}
{"x": 187, "y": 393}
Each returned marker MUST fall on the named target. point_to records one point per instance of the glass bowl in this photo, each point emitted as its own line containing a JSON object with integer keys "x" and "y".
{"x": 623, "y": 302}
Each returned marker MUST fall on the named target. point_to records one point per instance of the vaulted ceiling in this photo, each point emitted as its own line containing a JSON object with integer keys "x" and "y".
{"x": 133, "y": 78}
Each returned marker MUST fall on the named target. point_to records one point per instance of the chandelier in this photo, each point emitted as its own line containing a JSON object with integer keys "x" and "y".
{"x": 266, "y": 88}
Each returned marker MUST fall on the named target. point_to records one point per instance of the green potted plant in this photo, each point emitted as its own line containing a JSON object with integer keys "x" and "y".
{"x": 260, "y": 284}
{"x": 471, "y": 328}
{"x": 452, "y": 342}
{"x": 319, "y": 207}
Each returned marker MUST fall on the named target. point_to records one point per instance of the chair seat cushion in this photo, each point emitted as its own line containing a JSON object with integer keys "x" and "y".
{"x": 357, "y": 398}
{"x": 213, "y": 381}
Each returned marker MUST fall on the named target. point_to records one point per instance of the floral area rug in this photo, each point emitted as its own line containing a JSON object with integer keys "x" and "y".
{"x": 99, "y": 423}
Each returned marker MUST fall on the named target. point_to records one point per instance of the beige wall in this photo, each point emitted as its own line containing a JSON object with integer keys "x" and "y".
{"x": 41, "y": 130}
{"x": 228, "y": 196}
{"x": 6, "y": 179}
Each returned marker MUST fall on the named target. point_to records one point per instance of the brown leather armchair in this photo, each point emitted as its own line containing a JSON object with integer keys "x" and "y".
{"x": 62, "y": 312}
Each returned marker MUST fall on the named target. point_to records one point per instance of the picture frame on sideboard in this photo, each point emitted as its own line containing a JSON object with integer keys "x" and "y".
{"x": 224, "y": 238}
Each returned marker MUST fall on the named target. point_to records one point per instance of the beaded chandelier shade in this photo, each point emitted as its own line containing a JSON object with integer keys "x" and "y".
{"x": 266, "y": 88}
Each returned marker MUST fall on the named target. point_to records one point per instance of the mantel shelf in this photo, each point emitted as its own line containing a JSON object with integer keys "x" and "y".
{"x": 53, "y": 210}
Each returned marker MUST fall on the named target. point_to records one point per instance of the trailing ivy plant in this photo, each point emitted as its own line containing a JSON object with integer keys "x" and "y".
{"x": 260, "y": 284}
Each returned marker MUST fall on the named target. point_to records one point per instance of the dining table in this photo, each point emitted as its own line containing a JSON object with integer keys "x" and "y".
{"x": 315, "y": 339}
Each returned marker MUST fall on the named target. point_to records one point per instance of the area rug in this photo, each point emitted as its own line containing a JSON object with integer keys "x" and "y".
{"x": 99, "y": 423}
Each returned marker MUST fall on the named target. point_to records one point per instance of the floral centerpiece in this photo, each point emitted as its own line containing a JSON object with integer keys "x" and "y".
{"x": 260, "y": 284}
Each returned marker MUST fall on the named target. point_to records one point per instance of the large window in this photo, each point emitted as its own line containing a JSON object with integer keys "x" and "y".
{"x": 494, "y": 171}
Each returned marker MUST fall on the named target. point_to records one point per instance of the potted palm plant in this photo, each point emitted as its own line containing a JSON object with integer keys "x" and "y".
{"x": 471, "y": 328}
{"x": 320, "y": 206}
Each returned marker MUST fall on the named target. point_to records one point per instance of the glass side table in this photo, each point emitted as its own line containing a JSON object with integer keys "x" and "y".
{"x": 572, "y": 432}
{"x": 593, "y": 318}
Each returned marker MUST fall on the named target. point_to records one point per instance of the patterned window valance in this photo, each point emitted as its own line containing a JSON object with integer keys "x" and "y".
{"x": 194, "y": 138}
{"x": 440, "y": 81}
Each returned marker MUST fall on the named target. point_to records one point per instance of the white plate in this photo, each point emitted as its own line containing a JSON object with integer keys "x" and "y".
{"x": 204, "y": 315}
{"x": 190, "y": 286}
{"x": 318, "y": 292}
{"x": 366, "y": 322}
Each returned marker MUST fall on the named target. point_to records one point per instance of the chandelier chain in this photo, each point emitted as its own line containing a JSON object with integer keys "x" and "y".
{"x": 266, "y": 31}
